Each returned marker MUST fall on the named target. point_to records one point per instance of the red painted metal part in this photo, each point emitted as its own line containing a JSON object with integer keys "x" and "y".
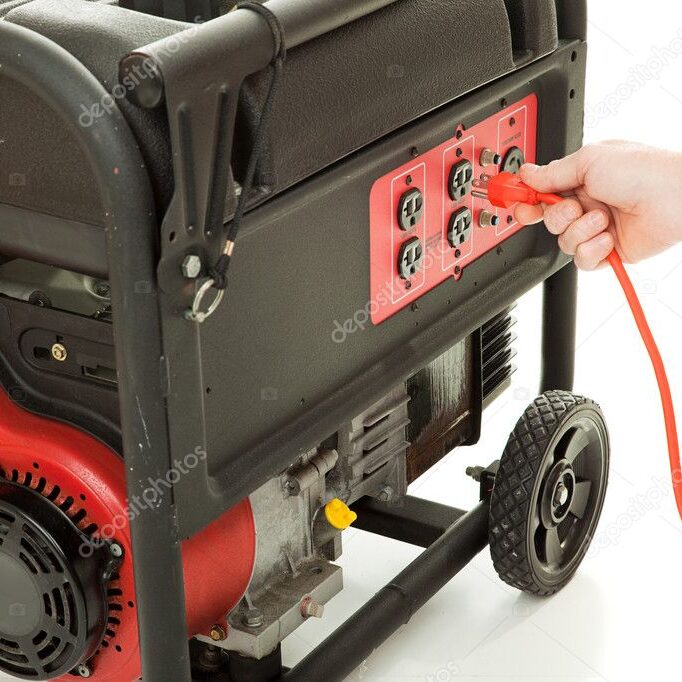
{"x": 62, "y": 462}
{"x": 514, "y": 126}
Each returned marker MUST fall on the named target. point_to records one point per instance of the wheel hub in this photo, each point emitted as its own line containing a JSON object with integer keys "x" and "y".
{"x": 558, "y": 495}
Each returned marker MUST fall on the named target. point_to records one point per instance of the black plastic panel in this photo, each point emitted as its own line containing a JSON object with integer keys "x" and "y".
{"x": 264, "y": 379}
{"x": 62, "y": 390}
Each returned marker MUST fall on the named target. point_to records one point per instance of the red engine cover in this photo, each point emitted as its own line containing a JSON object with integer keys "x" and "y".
{"x": 87, "y": 480}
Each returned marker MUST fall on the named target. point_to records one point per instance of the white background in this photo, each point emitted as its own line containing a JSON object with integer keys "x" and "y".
{"x": 619, "y": 618}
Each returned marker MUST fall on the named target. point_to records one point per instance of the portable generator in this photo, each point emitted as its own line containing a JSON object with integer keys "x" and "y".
{"x": 247, "y": 297}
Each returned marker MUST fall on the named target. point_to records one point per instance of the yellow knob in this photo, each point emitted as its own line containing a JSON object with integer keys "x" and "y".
{"x": 339, "y": 514}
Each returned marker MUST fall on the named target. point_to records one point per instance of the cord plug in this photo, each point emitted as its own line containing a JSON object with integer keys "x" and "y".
{"x": 506, "y": 189}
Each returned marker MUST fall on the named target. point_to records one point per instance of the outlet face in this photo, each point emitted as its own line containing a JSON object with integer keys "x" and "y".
{"x": 460, "y": 227}
{"x": 410, "y": 258}
{"x": 460, "y": 180}
{"x": 410, "y": 209}
{"x": 425, "y": 224}
{"x": 513, "y": 160}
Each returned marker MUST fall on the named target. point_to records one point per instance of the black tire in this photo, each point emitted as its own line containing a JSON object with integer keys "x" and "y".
{"x": 559, "y": 450}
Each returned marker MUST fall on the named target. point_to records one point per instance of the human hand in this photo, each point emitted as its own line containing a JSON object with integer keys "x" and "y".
{"x": 619, "y": 194}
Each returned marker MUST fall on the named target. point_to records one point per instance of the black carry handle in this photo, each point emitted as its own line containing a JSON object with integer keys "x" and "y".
{"x": 533, "y": 25}
{"x": 572, "y": 18}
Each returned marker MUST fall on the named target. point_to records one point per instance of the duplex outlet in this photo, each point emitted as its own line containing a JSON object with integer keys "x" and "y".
{"x": 410, "y": 258}
{"x": 460, "y": 227}
{"x": 460, "y": 182}
{"x": 410, "y": 209}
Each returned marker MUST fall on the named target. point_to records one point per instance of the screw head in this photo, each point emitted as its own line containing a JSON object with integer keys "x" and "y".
{"x": 102, "y": 288}
{"x": 83, "y": 670}
{"x": 253, "y": 618}
{"x": 218, "y": 633}
{"x": 116, "y": 550}
{"x": 191, "y": 266}
{"x": 59, "y": 352}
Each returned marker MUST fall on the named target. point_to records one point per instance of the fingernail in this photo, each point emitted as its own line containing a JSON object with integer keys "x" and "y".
{"x": 597, "y": 219}
{"x": 531, "y": 167}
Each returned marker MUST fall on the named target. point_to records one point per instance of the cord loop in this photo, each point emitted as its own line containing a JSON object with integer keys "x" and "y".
{"x": 218, "y": 272}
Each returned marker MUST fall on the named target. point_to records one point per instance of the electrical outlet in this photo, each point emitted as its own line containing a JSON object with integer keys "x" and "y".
{"x": 513, "y": 160}
{"x": 410, "y": 258}
{"x": 459, "y": 227}
{"x": 461, "y": 179}
{"x": 410, "y": 209}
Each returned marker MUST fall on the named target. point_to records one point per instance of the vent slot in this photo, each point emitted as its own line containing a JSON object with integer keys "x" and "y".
{"x": 497, "y": 339}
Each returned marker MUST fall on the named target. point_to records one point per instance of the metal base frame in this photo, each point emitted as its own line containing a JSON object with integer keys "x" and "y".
{"x": 131, "y": 232}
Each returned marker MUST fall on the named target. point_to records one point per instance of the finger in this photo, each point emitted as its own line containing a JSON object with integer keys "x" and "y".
{"x": 592, "y": 253}
{"x": 559, "y": 217}
{"x": 558, "y": 176}
{"x": 528, "y": 215}
{"x": 582, "y": 230}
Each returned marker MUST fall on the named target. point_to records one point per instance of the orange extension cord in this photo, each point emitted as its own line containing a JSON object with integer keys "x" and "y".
{"x": 505, "y": 190}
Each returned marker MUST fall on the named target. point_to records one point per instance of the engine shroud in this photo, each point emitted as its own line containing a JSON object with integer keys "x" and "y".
{"x": 53, "y": 599}
{"x": 62, "y": 504}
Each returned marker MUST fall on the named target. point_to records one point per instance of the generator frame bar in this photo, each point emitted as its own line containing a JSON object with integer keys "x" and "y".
{"x": 131, "y": 231}
{"x": 413, "y": 520}
{"x": 395, "y": 604}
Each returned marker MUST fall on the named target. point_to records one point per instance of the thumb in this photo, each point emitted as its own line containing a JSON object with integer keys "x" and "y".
{"x": 559, "y": 176}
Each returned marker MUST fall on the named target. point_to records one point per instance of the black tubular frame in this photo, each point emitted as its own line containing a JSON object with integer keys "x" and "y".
{"x": 133, "y": 254}
{"x": 131, "y": 229}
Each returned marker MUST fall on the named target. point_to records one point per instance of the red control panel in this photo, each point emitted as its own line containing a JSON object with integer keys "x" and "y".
{"x": 425, "y": 224}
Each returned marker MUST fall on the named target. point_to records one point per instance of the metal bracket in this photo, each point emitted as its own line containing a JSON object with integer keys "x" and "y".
{"x": 198, "y": 73}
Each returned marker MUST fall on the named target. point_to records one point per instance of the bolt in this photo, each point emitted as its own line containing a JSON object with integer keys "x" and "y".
{"x": 475, "y": 473}
{"x": 83, "y": 670}
{"x": 191, "y": 267}
{"x": 116, "y": 550}
{"x": 253, "y": 618}
{"x": 292, "y": 487}
{"x": 488, "y": 219}
{"x": 217, "y": 633}
{"x": 386, "y": 494}
{"x": 102, "y": 289}
{"x": 560, "y": 495}
{"x": 59, "y": 352}
{"x": 311, "y": 609}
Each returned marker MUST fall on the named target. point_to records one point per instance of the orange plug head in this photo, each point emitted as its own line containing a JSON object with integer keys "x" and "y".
{"x": 507, "y": 189}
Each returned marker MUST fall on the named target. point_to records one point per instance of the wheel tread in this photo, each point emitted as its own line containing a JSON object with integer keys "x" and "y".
{"x": 511, "y": 497}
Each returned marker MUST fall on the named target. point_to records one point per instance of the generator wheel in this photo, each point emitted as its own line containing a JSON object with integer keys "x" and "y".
{"x": 549, "y": 492}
